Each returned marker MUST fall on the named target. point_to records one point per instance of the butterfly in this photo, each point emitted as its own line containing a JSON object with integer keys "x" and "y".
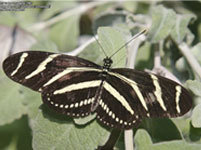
{"x": 76, "y": 87}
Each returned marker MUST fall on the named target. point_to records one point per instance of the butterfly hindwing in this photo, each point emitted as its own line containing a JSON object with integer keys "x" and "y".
{"x": 116, "y": 106}
{"x": 72, "y": 97}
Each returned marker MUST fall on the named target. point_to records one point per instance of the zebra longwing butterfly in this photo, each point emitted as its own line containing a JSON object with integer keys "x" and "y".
{"x": 76, "y": 87}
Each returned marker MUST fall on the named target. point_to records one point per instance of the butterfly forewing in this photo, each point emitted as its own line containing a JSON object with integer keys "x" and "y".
{"x": 35, "y": 69}
{"x": 157, "y": 96}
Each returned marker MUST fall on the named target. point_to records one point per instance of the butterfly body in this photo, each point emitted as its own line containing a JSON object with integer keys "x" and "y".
{"x": 76, "y": 87}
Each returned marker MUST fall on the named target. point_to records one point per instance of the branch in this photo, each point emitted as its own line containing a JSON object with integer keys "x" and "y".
{"x": 77, "y": 10}
{"x": 82, "y": 47}
{"x": 159, "y": 68}
{"x": 185, "y": 50}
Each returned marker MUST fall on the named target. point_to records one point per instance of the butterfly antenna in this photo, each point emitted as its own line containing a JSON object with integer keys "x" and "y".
{"x": 134, "y": 37}
{"x": 100, "y": 46}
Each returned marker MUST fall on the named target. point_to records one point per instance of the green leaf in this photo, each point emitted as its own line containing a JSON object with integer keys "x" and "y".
{"x": 182, "y": 64}
{"x": 167, "y": 133}
{"x": 144, "y": 57}
{"x": 16, "y": 135}
{"x": 32, "y": 100}
{"x": 181, "y": 27}
{"x": 22, "y": 19}
{"x": 196, "y": 117}
{"x": 196, "y": 52}
{"x": 163, "y": 21}
{"x": 111, "y": 40}
{"x": 143, "y": 142}
{"x": 85, "y": 120}
{"x": 194, "y": 86}
{"x": 183, "y": 124}
{"x": 109, "y": 19}
{"x": 45, "y": 45}
{"x": 62, "y": 134}
{"x": 195, "y": 134}
{"x": 11, "y": 106}
{"x": 56, "y": 8}
{"x": 65, "y": 33}
{"x": 93, "y": 53}
{"x": 130, "y": 6}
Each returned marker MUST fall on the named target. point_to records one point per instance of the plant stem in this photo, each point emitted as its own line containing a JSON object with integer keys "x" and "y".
{"x": 158, "y": 67}
{"x": 78, "y": 50}
{"x": 183, "y": 47}
{"x": 77, "y": 10}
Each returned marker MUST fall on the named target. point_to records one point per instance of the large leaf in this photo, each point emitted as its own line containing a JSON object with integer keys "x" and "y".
{"x": 62, "y": 134}
{"x": 16, "y": 135}
{"x": 143, "y": 142}
{"x": 45, "y": 45}
{"x": 194, "y": 86}
{"x": 182, "y": 64}
{"x": 196, "y": 117}
{"x": 56, "y": 8}
{"x": 109, "y": 19}
{"x": 65, "y": 33}
{"x": 181, "y": 27}
{"x": 144, "y": 57}
{"x": 163, "y": 21}
{"x": 111, "y": 40}
{"x": 11, "y": 106}
{"x": 158, "y": 134}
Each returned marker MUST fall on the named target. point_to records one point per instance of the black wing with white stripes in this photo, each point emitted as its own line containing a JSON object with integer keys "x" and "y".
{"x": 130, "y": 95}
{"x": 35, "y": 69}
{"x": 77, "y": 87}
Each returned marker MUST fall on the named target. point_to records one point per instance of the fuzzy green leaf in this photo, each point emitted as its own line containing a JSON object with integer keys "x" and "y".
{"x": 56, "y": 8}
{"x": 65, "y": 33}
{"x": 180, "y": 29}
{"x": 153, "y": 126}
{"x": 143, "y": 142}
{"x": 181, "y": 63}
{"x": 11, "y": 106}
{"x": 163, "y": 21}
{"x": 196, "y": 117}
{"x": 194, "y": 86}
{"x": 45, "y": 45}
{"x": 62, "y": 134}
{"x": 111, "y": 40}
{"x": 109, "y": 19}
{"x": 85, "y": 120}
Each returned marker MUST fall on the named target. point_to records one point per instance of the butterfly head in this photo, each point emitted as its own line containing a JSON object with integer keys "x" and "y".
{"x": 107, "y": 63}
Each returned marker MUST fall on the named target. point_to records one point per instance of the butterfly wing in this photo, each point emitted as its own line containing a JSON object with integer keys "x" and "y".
{"x": 116, "y": 105}
{"x": 130, "y": 95}
{"x": 34, "y": 69}
{"x": 156, "y": 96}
{"x": 49, "y": 72}
{"x": 73, "y": 97}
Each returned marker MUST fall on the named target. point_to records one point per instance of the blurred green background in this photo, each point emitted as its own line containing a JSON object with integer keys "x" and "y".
{"x": 173, "y": 27}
